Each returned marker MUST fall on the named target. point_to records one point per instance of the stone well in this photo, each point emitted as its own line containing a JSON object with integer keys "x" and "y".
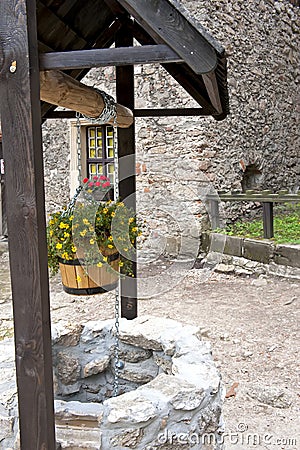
{"x": 170, "y": 392}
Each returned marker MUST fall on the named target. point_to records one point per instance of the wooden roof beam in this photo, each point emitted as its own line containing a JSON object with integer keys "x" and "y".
{"x": 121, "y": 56}
{"x": 166, "y": 24}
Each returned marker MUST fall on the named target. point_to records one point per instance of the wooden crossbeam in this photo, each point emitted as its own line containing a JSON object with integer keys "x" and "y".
{"x": 108, "y": 57}
{"x": 151, "y": 112}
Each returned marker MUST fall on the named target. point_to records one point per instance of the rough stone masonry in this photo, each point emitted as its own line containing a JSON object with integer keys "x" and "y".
{"x": 171, "y": 393}
{"x": 262, "y": 132}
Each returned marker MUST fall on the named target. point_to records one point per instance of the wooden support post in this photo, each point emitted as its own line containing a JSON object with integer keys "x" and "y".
{"x": 22, "y": 148}
{"x": 126, "y": 147}
{"x": 268, "y": 220}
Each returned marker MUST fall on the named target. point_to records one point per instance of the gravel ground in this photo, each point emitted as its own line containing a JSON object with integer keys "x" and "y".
{"x": 253, "y": 327}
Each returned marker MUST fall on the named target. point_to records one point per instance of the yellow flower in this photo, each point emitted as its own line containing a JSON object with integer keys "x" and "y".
{"x": 91, "y": 228}
{"x": 110, "y": 238}
{"x": 113, "y": 214}
{"x": 105, "y": 258}
{"x": 85, "y": 221}
{"x": 121, "y": 204}
{"x": 131, "y": 219}
{"x": 121, "y": 264}
{"x": 140, "y": 233}
{"x": 51, "y": 222}
{"x": 99, "y": 264}
{"x": 83, "y": 233}
{"x": 134, "y": 229}
{"x": 78, "y": 278}
{"x": 65, "y": 255}
{"x": 51, "y": 232}
{"x": 105, "y": 210}
{"x": 89, "y": 191}
{"x": 92, "y": 241}
{"x": 71, "y": 218}
{"x": 58, "y": 246}
{"x": 125, "y": 249}
{"x": 74, "y": 249}
{"x": 66, "y": 235}
{"x": 110, "y": 246}
{"x": 62, "y": 225}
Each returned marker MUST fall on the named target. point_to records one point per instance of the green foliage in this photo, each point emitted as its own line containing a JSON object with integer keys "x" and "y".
{"x": 286, "y": 226}
{"x": 93, "y": 230}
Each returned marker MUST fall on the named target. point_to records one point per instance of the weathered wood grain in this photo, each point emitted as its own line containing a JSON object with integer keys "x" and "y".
{"x": 108, "y": 57}
{"x": 60, "y": 89}
{"x": 22, "y": 148}
{"x": 166, "y": 24}
{"x": 126, "y": 150}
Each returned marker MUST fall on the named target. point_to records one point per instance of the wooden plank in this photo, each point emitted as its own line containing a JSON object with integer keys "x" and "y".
{"x": 151, "y": 112}
{"x": 126, "y": 150}
{"x": 211, "y": 85}
{"x": 20, "y": 115}
{"x": 268, "y": 220}
{"x": 108, "y": 57}
{"x": 166, "y": 24}
{"x": 182, "y": 73}
{"x": 60, "y": 89}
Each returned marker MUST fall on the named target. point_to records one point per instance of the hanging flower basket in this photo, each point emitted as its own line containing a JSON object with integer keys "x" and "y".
{"x": 80, "y": 279}
{"x": 85, "y": 240}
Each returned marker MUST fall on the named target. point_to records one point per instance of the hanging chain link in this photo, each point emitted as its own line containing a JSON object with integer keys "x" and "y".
{"x": 109, "y": 111}
{"x": 78, "y": 127}
{"x": 119, "y": 365}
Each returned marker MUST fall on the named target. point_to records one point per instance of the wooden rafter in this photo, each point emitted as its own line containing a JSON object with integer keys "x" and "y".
{"x": 166, "y": 24}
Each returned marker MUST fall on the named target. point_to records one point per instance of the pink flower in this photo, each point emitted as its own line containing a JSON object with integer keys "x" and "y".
{"x": 85, "y": 180}
{"x": 107, "y": 184}
{"x": 97, "y": 184}
{"x": 103, "y": 178}
{"x": 91, "y": 184}
{"x": 95, "y": 178}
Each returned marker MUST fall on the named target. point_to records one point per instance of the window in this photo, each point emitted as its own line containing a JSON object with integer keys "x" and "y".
{"x": 100, "y": 151}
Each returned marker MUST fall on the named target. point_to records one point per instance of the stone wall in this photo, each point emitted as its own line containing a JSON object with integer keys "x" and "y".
{"x": 260, "y": 138}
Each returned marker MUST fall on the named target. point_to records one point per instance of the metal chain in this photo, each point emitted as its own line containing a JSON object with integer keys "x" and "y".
{"x": 78, "y": 126}
{"x": 119, "y": 365}
{"x": 108, "y": 112}
{"x": 71, "y": 204}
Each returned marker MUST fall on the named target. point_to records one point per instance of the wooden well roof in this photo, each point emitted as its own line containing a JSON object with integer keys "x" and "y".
{"x": 164, "y": 31}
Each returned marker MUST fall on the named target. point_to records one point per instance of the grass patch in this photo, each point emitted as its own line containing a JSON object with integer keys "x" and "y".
{"x": 286, "y": 226}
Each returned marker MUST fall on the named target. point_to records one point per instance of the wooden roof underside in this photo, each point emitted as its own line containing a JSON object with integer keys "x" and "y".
{"x": 163, "y": 28}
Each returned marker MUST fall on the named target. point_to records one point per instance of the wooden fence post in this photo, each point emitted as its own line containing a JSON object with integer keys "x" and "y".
{"x": 22, "y": 148}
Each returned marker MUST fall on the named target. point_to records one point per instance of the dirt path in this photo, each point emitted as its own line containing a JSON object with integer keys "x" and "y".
{"x": 253, "y": 327}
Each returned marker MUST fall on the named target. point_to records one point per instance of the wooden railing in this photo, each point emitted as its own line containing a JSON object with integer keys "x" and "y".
{"x": 265, "y": 197}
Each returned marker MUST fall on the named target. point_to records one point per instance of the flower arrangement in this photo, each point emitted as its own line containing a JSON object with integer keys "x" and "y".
{"x": 93, "y": 229}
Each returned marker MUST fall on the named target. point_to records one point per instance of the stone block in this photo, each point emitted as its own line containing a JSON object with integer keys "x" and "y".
{"x": 96, "y": 366}
{"x": 287, "y": 255}
{"x": 258, "y": 251}
{"x": 141, "y": 372}
{"x": 221, "y": 243}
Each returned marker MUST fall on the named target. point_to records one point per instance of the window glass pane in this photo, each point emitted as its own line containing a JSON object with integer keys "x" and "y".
{"x": 92, "y": 169}
{"x": 91, "y": 132}
{"x": 109, "y": 131}
{"x": 110, "y": 152}
{"x": 99, "y": 142}
{"x": 111, "y": 173}
{"x": 92, "y": 153}
{"x": 92, "y": 143}
{"x": 99, "y": 169}
{"x": 99, "y": 132}
{"x": 99, "y": 152}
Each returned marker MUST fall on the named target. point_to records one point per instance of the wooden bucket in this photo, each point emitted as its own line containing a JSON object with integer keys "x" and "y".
{"x": 79, "y": 279}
